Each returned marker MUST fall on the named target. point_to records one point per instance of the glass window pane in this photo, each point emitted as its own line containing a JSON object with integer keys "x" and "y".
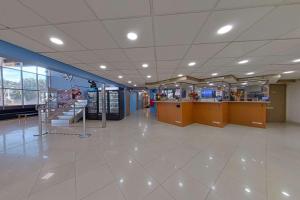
{"x": 12, "y": 97}
{"x": 31, "y": 69}
{"x": 30, "y": 97}
{"x": 29, "y": 81}
{"x": 0, "y": 77}
{"x": 1, "y": 98}
{"x": 11, "y": 78}
{"x": 43, "y": 97}
{"x": 42, "y": 70}
{"x": 42, "y": 82}
{"x": 12, "y": 65}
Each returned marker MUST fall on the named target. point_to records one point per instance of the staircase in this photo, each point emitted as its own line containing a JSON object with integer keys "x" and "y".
{"x": 71, "y": 112}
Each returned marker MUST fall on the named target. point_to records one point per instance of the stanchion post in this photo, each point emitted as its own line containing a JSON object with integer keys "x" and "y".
{"x": 84, "y": 134}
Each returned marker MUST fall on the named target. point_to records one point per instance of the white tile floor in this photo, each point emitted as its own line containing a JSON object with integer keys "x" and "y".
{"x": 141, "y": 159}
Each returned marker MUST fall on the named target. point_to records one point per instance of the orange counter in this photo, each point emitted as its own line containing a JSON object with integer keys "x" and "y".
{"x": 212, "y": 113}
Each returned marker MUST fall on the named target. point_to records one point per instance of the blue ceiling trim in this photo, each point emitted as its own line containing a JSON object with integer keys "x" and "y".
{"x": 29, "y": 57}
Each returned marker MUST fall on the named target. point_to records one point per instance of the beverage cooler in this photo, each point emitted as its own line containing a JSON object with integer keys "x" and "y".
{"x": 92, "y": 105}
{"x": 114, "y": 103}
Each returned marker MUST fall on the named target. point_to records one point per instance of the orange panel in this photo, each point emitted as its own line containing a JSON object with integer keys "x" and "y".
{"x": 247, "y": 113}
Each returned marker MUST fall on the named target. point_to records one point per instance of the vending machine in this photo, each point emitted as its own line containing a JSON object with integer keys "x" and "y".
{"x": 92, "y": 105}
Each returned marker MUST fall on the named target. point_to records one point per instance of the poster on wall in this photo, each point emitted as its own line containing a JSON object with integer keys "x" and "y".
{"x": 63, "y": 96}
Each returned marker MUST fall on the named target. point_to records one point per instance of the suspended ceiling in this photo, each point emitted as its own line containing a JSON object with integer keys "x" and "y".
{"x": 171, "y": 34}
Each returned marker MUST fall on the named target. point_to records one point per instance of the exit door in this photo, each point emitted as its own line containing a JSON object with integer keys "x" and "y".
{"x": 277, "y": 107}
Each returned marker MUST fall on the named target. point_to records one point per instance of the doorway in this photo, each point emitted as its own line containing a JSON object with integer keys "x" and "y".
{"x": 277, "y": 107}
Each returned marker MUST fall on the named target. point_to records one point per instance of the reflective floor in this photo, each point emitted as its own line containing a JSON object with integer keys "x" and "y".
{"x": 141, "y": 159}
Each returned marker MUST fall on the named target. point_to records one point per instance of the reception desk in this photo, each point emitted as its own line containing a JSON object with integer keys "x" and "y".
{"x": 212, "y": 113}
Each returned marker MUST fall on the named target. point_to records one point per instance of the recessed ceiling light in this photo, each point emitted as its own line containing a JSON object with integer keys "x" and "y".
{"x": 192, "y": 64}
{"x": 120, "y": 76}
{"x": 296, "y": 60}
{"x": 180, "y": 75}
{"x": 247, "y": 190}
{"x": 102, "y": 67}
{"x": 214, "y": 74}
{"x": 56, "y": 40}
{"x": 250, "y": 73}
{"x": 149, "y": 76}
{"x": 288, "y": 72}
{"x": 132, "y": 36}
{"x": 176, "y": 85}
{"x": 224, "y": 29}
{"x": 285, "y": 194}
{"x": 245, "y": 83}
{"x": 241, "y": 62}
{"x": 134, "y": 85}
{"x": 129, "y": 82}
{"x": 211, "y": 84}
{"x": 145, "y": 65}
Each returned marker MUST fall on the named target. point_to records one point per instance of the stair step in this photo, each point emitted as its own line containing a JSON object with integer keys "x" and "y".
{"x": 65, "y": 116}
{"x": 60, "y": 122}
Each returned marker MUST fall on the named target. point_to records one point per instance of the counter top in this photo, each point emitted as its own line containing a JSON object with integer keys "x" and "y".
{"x": 212, "y": 102}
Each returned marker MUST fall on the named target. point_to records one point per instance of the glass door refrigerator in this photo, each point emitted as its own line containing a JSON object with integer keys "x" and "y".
{"x": 92, "y": 106}
{"x": 115, "y": 104}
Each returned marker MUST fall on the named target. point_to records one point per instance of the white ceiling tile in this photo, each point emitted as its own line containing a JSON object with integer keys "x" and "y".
{"x": 62, "y": 57}
{"x": 108, "y": 9}
{"x": 121, "y": 65}
{"x": 240, "y": 19}
{"x": 220, "y": 62}
{"x": 92, "y": 35}
{"x": 131, "y": 72}
{"x": 85, "y": 56}
{"x": 141, "y": 26}
{"x": 178, "y": 29}
{"x": 177, "y": 6}
{"x": 14, "y": 14}
{"x": 43, "y": 33}
{"x": 200, "y": 51}
{"x": 238, "y": 49}
{"x": 171, "y": 65}
{"x": 279, "y": 22}
{"x": 2, "y": 27}
{"x": 23, "y": 41}
{"x": 293, "y": 34}
{"x": 227, "y": 4}
{"x": 112, "y": 55}
{"x": 60, "y": 11}
{"x": 171, "y": 52}
{"x": 279, "y": 47}
{"x": 140, "y": 54}
{"x": 199, "y": 63}
{"x": 163, "y": 76}
{"x": 146, "y": 72}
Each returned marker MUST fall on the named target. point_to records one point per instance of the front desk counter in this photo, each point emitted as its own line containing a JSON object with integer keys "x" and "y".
{"x": 183, "y": 113}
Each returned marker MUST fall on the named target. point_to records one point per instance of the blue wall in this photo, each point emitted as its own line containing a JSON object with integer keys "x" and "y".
{"x": 133, "y": 102}
{"x": 12, "y": 51}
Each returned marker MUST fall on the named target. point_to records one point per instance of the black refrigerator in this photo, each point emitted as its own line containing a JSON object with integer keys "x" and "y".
{"x": 92, "y": 103}
{"x": 114, "y": 104}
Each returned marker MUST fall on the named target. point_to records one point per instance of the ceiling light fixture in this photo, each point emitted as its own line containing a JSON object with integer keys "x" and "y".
{"x": 120, "y": 76}
{"x": 296, "y": 60}
{"x": 134, "y": 85}
{"x": 224, "y": 29}
{"x": 214, "y": 74}
{"x": 145, "y": 65}
{"x": 56, "y": 40}
{"x": 247, "y": 190}
{"x": 132, "y": 36}
{"x": 288, "y": 72}
{"x": 149, "y": 76}
{"x": 285, "y": 194}
{"x": 211, "y": 84}
{"x": 102, "y": 67}
{"x": 129, "y": 82}
{"x": 192, "y": 64}
{"x": 245, "y": 83}
{"x": 241, "y": 62}
{"x": 250, "y": 73}
{"x": 180, "y": 75}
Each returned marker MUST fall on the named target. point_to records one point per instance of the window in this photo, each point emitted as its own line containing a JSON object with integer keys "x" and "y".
{"x": 29, "y": 81}
{"x": 0, "y": 78}
{"x": 42, "y": 71}
{"x": 43, "y": 97}
{"x": 1, "y": 98}
{"x": 31, "y": 69}
{"x": 42, "y": 81}
{"x": 12, "y": 97}
{"x": 11, "y": 78}
{"x": 30, "y": 97}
